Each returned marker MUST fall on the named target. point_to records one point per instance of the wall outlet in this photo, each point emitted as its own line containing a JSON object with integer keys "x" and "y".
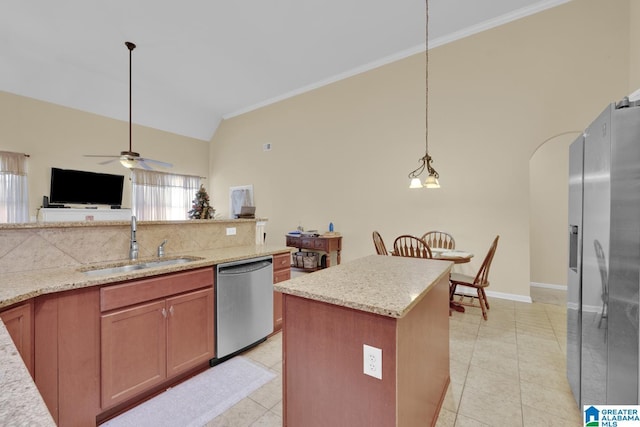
{"x": 372, "y": 361}
{"x": 266, "y": 146}
{"x": 231, "y": 231}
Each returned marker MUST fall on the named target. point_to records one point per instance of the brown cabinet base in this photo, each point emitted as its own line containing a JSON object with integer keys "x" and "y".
{"x": 67, "y": 355}
{"x": 19, "y": 323}
{"x": 323, "y": 380}
{"x": 281, "y": 272}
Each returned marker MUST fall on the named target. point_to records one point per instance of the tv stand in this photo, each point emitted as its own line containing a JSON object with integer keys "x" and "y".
{"x": 75, "y": 215}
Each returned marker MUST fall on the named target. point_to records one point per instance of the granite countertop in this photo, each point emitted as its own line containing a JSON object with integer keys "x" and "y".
{"x": 67, "y": 224}
{"x": 21, "y": 286}
{"x": 379, "y": 284}
{"x": 20, "y": 401}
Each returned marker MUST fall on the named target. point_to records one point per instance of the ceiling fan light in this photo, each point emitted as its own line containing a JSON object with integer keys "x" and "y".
{"x": 127, "y": 162}
{"x": 415, "y": 183}
{"x": 431, "y": 182}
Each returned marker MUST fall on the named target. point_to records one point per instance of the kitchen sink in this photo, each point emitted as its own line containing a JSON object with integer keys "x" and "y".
{"x": 138, "y": 266}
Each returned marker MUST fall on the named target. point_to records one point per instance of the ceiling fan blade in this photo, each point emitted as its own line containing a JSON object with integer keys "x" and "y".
{"x": 143, "y": 165}
{"x": 158, "y": 162}
{"x": 106, "y": 162}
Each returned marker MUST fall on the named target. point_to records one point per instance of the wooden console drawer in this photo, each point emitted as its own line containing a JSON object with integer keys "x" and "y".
{"x": 294, "y": 242}
{"x": 137, "y": 291}
{"x": 321, "y": 245}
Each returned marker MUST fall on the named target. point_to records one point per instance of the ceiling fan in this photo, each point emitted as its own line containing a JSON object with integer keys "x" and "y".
{"x": 131, "y": 159}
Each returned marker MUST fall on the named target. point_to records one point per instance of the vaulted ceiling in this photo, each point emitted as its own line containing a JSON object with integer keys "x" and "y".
{"x": 200, "y": 61}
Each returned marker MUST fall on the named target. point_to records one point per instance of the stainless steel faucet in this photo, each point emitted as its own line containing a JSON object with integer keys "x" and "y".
{"x": 133, "y": 244}
{"x": 161, "y": 248}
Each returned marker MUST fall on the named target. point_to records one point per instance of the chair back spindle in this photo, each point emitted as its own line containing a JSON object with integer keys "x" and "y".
{"x": 439, "y": 239}
{"x": 411, "y": 246}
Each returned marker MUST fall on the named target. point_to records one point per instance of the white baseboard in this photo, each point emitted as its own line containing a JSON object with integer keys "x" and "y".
{"x": 548, "y": 286}
{"x": 493, "y": 294}
{"x": 512, "y": 297}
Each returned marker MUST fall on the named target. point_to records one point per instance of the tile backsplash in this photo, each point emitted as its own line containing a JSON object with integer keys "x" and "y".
{"x": 44, "y": 246}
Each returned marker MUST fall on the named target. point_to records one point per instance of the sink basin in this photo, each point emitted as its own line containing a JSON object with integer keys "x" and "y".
{"x": 138, "y": 266}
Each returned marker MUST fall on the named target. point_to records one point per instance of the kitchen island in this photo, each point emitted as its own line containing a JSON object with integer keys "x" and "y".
{"x": 395, "y": 304}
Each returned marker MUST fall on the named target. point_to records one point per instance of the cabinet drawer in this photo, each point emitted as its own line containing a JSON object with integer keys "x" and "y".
{"x": 281, "y": 276}
{"x": 134, "y": 292}
{"x": 293, "y": 241}
{"x": 281, "y": 261}
{"x": 307, "y": 243}
{"x": 321, "y": 244}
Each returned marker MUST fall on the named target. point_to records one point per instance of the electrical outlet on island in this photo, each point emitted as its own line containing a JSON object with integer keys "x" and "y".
{"x": 372, "y": 361}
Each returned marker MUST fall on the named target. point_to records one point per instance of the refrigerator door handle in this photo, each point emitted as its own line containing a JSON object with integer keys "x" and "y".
{"x": 573, "y": 247}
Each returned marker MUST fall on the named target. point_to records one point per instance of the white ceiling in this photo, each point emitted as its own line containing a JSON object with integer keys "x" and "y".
{"x": 199, "y": 61}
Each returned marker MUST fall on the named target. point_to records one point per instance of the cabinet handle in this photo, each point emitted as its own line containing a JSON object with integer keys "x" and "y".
{"x": 164, "y": 312}
{"x": 171, "y": 310}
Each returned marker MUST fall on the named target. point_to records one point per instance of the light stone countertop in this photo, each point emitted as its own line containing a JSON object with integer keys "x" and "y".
{"x": 20, "y": 402}
{"x": 386, "y": 285}
{"x": 21, "y": 286}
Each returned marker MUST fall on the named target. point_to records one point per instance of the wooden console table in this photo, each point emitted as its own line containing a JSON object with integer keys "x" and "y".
{"x": 326, "y": 244}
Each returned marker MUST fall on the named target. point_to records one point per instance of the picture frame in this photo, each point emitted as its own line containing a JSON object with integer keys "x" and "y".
{"x": 239, "y": 196}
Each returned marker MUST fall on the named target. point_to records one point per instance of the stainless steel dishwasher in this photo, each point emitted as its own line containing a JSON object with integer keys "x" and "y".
{"x": 244, "y": 305}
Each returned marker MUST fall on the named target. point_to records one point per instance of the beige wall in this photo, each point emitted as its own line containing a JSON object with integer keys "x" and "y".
{"x": 342, "y": 153}
{"x": 634, "y": 46}
{"x": 56, "y": 136}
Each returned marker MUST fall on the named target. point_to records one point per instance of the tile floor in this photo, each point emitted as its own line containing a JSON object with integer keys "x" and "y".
{"x": 507, "y": 371}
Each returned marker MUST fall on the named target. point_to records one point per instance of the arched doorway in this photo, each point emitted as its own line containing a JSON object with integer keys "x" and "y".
{"x": 548, "y": 203}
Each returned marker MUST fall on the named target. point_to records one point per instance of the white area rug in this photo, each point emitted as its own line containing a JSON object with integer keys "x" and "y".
{"x": 199, "y": 399}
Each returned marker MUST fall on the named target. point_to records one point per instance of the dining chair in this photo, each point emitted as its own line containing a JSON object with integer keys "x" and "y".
{"x": 411, "y": 246}
{"x": 479, "y": 282}
{"x": 439, "y": 239}
{"x": 381, "y": 249}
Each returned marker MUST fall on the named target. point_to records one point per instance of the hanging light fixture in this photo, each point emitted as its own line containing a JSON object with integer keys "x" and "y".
{"x": 425, "y": 162}
{"x": 128, "y": 158}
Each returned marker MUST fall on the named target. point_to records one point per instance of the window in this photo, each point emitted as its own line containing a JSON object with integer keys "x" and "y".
{"x": 14, "y": 197}
{"x": 162, "y": 196}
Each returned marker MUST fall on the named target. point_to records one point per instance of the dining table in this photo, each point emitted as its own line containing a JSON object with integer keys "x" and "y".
{"x": 454, "y": 255}
{"x": 457, "y": 257}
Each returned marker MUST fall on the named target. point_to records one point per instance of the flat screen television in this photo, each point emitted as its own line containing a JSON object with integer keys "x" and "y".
{"x": 81, "y": 187}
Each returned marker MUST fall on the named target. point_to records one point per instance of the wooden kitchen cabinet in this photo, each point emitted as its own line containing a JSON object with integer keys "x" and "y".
{"x": 67, "y": 355}
{"x": 168, "y": 330}
{"x": 281, "y": 272}
{"x": 19, "y": 322}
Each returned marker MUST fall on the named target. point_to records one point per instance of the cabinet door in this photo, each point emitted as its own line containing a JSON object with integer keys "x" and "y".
{"x": 18, "y": 321}
{"x": 133, "y": 351}
{"x": 190, "y": 339}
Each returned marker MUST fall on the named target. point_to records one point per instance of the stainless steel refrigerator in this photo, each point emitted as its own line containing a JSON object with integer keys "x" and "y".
{"x": 604, "y": 259}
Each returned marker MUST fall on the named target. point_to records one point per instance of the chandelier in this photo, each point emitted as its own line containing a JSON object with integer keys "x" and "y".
{"x": 425, "y": 162}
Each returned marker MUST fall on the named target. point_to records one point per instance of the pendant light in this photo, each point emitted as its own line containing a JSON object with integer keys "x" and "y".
{"x": 425, "y": 162}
